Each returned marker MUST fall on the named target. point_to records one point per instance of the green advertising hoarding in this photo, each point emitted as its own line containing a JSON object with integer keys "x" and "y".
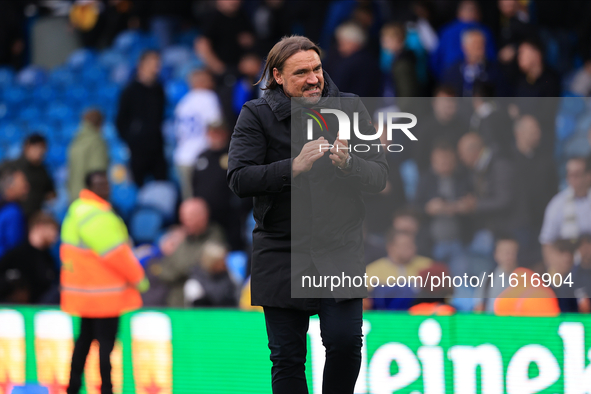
{"x": 225, "y": 351}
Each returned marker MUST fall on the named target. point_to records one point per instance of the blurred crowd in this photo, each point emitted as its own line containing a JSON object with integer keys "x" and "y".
{"x": 498, "y": 181}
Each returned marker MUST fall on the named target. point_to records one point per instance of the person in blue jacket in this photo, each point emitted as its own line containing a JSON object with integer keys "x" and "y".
{"x": 14, "y": 188}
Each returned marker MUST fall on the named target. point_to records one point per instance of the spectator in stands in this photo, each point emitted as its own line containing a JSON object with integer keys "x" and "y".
{"x": 450, "y": 38}
{"x": 506, "y": 251}
{"x": 559, "y": 259}
{"x": 491, "y": 120}
{"x": 514, "y": 29}
{"x": 492, "y": 181}
{"x": 400, "y": 62}
{"x": 210, "y": 284}
{"x": 475, "y": 67}
{"x": 40, "y": 182}
{"x": 438, "y": 192}
{"x": 273, "y": 21}
{"x": 536, "y": 182}
{"x": 568, "y": 215}
{"x": 175, "y": 266}
{"x": 350, "y": 65}
{"x": 209, "y": 182}
{"x": 380, "y": 207}
{"x": 12, "y": 34}
{"x": 581, "y": 82}
{"x": 140, "y": 117}
{"x": 443, "y": 123}
{"x": 249, "y": 68}
{"x": 14, "y": 188}
{"x": 581, "y": 275}
{"x": 401, "y": 259}
{"x": 534, "y": 78}
{"x": 193, "y": 113}
{"x": 28, "y": 273}
{"x": 227, "y": 35}
{"x": 87, "y": 152}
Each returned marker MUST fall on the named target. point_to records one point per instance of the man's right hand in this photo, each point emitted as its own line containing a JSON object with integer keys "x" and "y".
{"x": 311, "y": 152}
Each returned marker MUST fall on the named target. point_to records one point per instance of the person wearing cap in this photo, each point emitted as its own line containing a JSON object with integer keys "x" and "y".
{"x": 100, "y": 277}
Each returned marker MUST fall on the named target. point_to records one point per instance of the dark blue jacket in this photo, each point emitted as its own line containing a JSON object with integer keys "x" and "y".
{"x": 12, "y": 226}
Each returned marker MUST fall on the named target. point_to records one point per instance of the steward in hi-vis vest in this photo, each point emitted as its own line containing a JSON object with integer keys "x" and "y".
{"x": 100, "y": 276}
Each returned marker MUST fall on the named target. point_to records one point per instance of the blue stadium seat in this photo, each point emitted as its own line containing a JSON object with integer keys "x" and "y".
{"x": 145, "y": 225}
{"x": 109, "y": 93}
{"x": 31, "y": 76}
{"x": 14, "y": 94}
{"x": 81, "y": 59}
{"x": 236, "y": 263}
{"x": 6, "y": 76}
{"x": 111, "y": 57}
{"x": 110, "y": 132}
{"x": 565, "y": 126}
{"x": 61, "y": 77}
{"x": 11, "y": 133}
{"x": 182, "y": 70}
{"x": 126, "y": 41}
{"x": 31, "y": 113}
{"x": 5, "y": 112}
{"x": 77, "y": 94}
{"x": 118, "y": 152}
{"x": 45, "y": 93}
{"x": 175, "y": 90}
{"x": 121, "y": 73}
{"x": 176, "y": 56}
{"x": 68, "y": 130}
{"x": 410, "y": 175}
{"x": 161, "y": 196}
{"x": 572, "y": 105}
{"x": 123, "y": 197}
{"x": 57, "y": 155}
{"x": 60, "y": 111}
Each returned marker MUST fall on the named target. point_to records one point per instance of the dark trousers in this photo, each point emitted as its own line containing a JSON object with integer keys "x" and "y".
{"x": 104, "y": 331}
{"x": 340, "y": 329}
{"x": 144, "y": 163}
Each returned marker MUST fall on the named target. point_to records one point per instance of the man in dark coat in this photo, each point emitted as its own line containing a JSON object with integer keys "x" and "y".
{"x": 139, "y": 120}
{"x": 272, "y": 162}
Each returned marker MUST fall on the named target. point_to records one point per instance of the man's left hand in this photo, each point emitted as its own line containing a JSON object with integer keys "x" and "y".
{"x": 339, "y": 152}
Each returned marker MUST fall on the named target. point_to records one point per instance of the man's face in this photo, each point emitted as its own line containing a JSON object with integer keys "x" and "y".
{"x": 302, "y": 76}
{"x": 468, "y": 12}
{"x": 444, "y": 107}
{"x": 100, "y": 186}
{"x": 508, "y": 7}
{"x": 469, "y": 152}
{"x": 443, "y": 162}
{"x": 403, "y": 249}
{"x": 48, "y": 234}
{"x": 194, "y": 217}
{"x": 18, "y": 189}
{"x": 406, "y": 224}
{"x": 576, "y": 176}
{"x": 35, "y": 154}
{"x": 473, "y": 47}
{"x": 528, "y": 57}
{"x": 528, "y": 134}
{"x": 150, "y": 67}
{"x": 506, "y": 254}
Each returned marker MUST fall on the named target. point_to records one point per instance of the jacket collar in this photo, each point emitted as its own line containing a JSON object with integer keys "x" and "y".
{"x": 281, "y": 104}
{"x": 86, "y": 194}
